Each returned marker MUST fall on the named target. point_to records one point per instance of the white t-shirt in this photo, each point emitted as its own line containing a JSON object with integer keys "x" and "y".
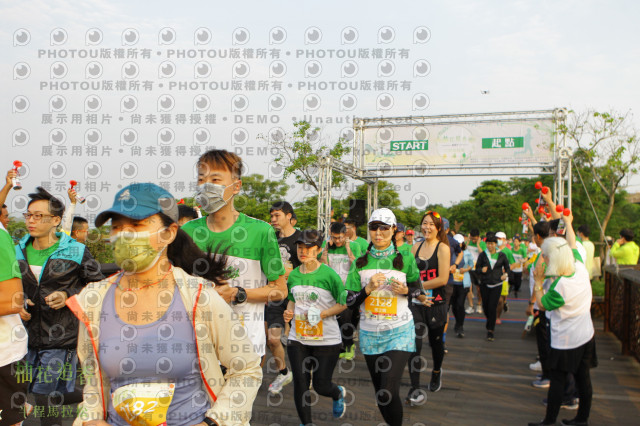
{"x": 568, "y": 305}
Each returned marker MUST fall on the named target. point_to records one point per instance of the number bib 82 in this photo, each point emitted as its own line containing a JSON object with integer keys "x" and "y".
{"x": 143, "y": 404}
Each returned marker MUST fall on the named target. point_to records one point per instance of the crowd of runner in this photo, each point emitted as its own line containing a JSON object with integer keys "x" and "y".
{"x": 179, "y": 333}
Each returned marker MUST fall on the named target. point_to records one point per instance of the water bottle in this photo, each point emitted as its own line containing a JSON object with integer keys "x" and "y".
{"x": 15, "y": 182}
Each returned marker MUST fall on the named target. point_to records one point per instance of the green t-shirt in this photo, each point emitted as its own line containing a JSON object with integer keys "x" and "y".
{"x": 321, "y": 289}
{"x": 9, "y": 265}
{"x": 254, "y": 259}
{"x": 39, "y": 257}
{"x": 364, "y": 244}
{"x": 338, "y": 258}
{"x": 507, "y": 251}
{"x": 519, "y": 255}
{"x": 405, "y": 248}
{"x": 383, "y": 308}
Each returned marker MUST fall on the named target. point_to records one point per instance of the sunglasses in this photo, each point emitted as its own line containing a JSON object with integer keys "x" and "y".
{"x": 433, "y": 213}
{"x": 380, "y": 226}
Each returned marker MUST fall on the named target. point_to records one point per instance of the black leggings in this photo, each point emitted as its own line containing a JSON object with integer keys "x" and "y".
{"x": 321, "y": 360}
{"x": 515, "y": 280}
{"x": 386, "y": 371}
{"x": 557, "y": 392}
{"x": 490, "y": 298}
{"x": 348, "y": 321}
{"x": 458, "y": 298}
{"x": 415, "y": 361}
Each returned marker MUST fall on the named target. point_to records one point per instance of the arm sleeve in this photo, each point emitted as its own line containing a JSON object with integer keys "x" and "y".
{"x": 616, "y": 250}
{"x": 552, "y": 299}
{"x": 67, "y": 221}
{"x": 415, "y": 288}
{"x": 355, "y": 298}
{"x": 244, "y": 375}
{"x": 89, "y": 272}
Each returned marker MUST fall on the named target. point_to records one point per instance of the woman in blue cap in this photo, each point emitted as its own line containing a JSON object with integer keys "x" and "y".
{"x": 156, "y": 333}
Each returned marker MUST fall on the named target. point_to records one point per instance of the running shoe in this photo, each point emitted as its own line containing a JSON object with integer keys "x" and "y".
{"x": 469, "y": 310}
{"x": 506, "y": 307}
{"x": 536, "y": 366}
{"x": 280, "y": 381}
{"x": 416, "y": 397}
{"x": 460, "y": 332}
{"x": 541, "y": 383}
{"x": 570, "y": 404}
{"x": 350, "y": 353}
{"x": 573, "y": 422}
{"x": 490, "y": 336}
{"x": 339, "y": 406}
{"x": 436, "y": 381}
{"x": 479, "y": 309}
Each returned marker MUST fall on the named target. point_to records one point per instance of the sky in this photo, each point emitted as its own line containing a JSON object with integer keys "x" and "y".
{"x": 302, "y": 60}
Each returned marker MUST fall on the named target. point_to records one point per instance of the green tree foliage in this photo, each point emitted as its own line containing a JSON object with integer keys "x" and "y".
{"x": 258, "y": 194}
{"x": 300, "y": 152}
{"x": 607, "y": 152}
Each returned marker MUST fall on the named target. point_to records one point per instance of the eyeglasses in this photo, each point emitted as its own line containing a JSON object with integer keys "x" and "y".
{"x": 36, "y": 216}
{"x": 376, "y": 226}
{"x": 434, "y": 213}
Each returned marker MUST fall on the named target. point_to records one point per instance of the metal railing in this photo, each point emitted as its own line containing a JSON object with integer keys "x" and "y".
{"x": 622, "y": 306}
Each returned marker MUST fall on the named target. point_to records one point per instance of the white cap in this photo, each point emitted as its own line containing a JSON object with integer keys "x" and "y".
{"x": 384, "y": 215}
{"x": 501, "y": 235}
{"x": 459, "y": 238}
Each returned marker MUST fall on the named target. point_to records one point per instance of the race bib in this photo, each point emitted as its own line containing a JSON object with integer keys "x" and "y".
{"x": 381, "y": 305}
{"x": 306, "y": 331}
{"x": 458, "y": 276}
{"x": 144, "y": 404}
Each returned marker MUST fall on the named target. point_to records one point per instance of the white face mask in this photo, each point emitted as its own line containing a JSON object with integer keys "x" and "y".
{"x": 211, "y": 196}
{"x": 500, "y": 242}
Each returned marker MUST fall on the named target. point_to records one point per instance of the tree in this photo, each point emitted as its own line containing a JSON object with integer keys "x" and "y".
{"x": 607, "y": 151}
{"x": 257, "y": 188}
{"x": 387, "y": 195}
{"x": 300, "y": 152}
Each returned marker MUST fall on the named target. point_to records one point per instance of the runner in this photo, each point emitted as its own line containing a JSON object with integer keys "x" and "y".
{"x": 461, "y": 284}
{"x": 409, "y": 236}
{"x": 399, "y": 238}
{"x": 281, "y": 213}
{"x": 568, "y": 305}
{"x": 54, "y": 267}
{"x": 433, "y": 261}
{"x": 155, "y": 305}
{"x": 384, "y": 280}
{"x": 316, "y": 296}
{"x": 339, "y": 253}
{"x": 520, "y": 255}
{"x": 251, "y": 244}
{"x": 503, "y": 247}
{"x": 492, "y": 267}
{"x": 353, "y": 235}
{"x": 475, "y": 246}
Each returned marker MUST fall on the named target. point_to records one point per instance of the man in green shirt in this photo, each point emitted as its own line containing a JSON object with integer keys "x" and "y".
{"x": 257, "y": 272}
{"x": 625, "y": 250}
{"x": 502, "y": 246}
{"x": 352, "y": 235}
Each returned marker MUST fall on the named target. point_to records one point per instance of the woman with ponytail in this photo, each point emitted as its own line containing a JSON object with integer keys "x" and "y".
{"x": 432, "y": 257}
{"x": 163, "y": 297}
{"x": 381, "y": 283}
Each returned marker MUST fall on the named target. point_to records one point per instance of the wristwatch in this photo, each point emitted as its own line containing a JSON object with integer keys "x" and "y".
{"x": 241, "y": 296}
{"x": 210, "y": 422}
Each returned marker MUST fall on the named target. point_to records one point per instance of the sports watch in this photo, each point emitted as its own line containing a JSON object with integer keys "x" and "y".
{"x": 241, "y": 296}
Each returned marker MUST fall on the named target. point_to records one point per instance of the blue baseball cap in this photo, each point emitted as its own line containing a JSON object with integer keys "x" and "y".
{"x": 139, "y": 201}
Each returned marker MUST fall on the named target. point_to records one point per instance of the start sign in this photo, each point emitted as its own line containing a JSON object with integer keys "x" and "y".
{"x": 422, "y": 145}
